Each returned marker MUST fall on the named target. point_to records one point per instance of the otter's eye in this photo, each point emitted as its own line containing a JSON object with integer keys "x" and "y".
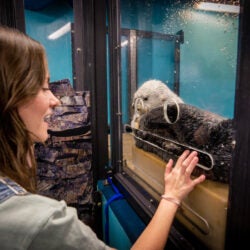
{"x": 145, "y": 98}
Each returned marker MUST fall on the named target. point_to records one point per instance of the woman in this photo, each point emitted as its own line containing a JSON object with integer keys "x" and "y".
{"x": 30, "y": 221}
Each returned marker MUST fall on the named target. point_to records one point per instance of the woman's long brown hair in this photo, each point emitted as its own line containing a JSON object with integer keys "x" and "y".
{"x": 22, "y": 74}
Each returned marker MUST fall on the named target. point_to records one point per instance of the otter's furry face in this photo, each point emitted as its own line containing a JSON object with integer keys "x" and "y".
{"x": 151, "y": 94}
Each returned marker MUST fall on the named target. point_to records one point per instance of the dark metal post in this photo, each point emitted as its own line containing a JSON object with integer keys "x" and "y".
{"x": 115, "y": 83}
{"x": 90, "y": 73}
{"x": 12, "y": 14}
{"x": 238, "y": 226}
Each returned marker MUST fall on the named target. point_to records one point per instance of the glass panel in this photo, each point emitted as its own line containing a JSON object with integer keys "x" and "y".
{"x": 158, "y": 59}
{"x": 207, "y": 56}
{"x": 191, "y": 47}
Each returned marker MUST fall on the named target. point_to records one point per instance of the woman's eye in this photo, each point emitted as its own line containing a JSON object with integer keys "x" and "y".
{"x": 45, "y": 89}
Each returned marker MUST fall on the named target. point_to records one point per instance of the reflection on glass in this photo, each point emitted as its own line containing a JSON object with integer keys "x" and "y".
{"x": 207, "y": 56}
{"x": 193, "y": 51}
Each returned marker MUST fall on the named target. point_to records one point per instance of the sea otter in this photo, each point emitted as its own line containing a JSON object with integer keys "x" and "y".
{"x": 151, "y": 94}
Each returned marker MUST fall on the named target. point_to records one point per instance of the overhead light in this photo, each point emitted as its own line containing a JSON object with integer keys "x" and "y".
{"x": 217, "y": 7}
{"x": 124, "y": 43}
{"x": 60, "y": 32}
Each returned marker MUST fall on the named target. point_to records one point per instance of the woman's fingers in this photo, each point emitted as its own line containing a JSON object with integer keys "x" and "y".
{"x": 190, "y": 165}
{"x": 169, "y": 166}
{"x": 183, "y": 157}
{"x": 180, "y": 160}
{"x": 199, "y": 179}
{"x": 184, "y": 165}
{"x": 178, "y": 181}
{"x": 189, "y": 159}
{"x": 185, "y": 160}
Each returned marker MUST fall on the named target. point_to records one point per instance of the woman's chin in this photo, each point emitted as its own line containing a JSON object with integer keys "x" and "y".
{"x": 41, "y": 138}
{"x": 44, "y": 138}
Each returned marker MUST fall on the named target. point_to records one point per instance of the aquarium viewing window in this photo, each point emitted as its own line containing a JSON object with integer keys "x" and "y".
{"x": 192, "y": 52}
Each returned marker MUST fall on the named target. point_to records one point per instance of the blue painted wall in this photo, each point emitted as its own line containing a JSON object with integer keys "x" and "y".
{"x": 40, "y": 24}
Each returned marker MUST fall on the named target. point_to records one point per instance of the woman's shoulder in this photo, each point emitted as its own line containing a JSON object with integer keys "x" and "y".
{"x": 28, "y": 215}
{"x": 34, "y": 203}
{"x": 39, "y": 222}
{"x": 33, "y": 209}
{"x": 42, "y": 200}
{"x": 11, "y": 192}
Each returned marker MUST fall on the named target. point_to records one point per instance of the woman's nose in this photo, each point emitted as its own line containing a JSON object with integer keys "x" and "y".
{"x": 54, "y": 100}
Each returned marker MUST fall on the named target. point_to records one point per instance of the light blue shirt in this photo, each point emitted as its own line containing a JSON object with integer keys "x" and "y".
{"x": 35, "y": 222}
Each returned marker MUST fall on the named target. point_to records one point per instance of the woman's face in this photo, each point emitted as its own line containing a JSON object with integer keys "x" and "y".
{"x": 35, "y": 112}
